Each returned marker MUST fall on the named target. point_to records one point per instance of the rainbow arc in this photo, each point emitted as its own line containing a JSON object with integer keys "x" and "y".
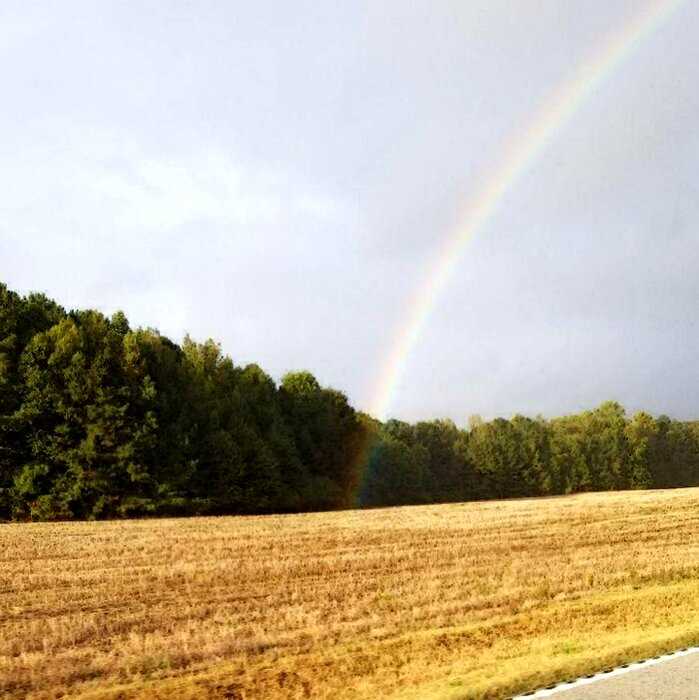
{"x": 524, "y": 150}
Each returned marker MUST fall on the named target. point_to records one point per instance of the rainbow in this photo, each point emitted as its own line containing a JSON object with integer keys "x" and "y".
{"x": 524, "y": 150}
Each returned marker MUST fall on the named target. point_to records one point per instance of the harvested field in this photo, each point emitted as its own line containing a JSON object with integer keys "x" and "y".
{"x": 463, "y": 600}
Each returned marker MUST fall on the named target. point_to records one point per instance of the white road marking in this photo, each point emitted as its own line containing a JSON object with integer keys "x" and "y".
{"x": 620, "y": 671}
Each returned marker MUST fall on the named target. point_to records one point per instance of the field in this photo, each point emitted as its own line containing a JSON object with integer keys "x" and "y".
{"x": 464, "y": 600}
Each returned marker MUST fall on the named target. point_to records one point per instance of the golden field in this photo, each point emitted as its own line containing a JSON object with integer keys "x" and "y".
{"x": 457, "y": 601}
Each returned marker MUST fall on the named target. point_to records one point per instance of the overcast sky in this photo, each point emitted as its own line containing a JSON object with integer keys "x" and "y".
{"x": 279, "y": 175}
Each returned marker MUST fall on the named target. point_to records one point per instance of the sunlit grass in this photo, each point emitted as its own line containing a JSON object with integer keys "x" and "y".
{"x": 463, "y": 600}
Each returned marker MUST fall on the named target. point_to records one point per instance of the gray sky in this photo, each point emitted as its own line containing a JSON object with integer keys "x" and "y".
{"x": 279, "y": 176}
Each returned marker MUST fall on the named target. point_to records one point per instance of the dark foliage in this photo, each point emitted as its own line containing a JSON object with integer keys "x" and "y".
{"x": 99, "y": 420}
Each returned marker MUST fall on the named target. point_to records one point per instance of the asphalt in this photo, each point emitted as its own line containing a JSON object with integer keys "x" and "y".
{"x": 674, "y": 679}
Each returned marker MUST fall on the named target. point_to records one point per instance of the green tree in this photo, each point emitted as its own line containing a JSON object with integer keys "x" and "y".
{"x": 87, "y": 414}
{"x": 642, "y": 436}
{"x": 395, "y": 474}
{"x": 447, "y": 469}
{"x": 20, "y": 319}
{"x": 494, "y": 451}
{"x": 329, "y": 439}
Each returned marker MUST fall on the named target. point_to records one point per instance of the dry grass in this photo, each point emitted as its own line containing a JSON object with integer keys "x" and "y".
{"x": 467, "y": 600}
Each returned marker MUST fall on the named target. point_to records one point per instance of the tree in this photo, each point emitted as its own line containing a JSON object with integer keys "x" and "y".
{"x": 395, "y": 474}
{"x": 494, "y": 450}
{"x": 100, "y": 420}
{"x": 329, "y": 438}
{"x": 87, "y": 414}
{"x": 20, "y": 319}
{"x": 642, "y": 435}
{"x": 446, "y": 469}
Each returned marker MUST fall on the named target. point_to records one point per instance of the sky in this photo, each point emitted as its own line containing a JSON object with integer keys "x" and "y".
{"x": 280, "y": 176}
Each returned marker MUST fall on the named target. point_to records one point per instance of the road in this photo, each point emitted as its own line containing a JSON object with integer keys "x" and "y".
{"x": 673, "y": 678}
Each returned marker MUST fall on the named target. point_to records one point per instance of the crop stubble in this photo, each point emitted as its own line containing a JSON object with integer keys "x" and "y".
{"x": 459, "y": 600}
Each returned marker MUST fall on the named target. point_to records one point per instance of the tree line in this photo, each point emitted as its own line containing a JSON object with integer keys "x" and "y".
{"x": 100, "y": 420}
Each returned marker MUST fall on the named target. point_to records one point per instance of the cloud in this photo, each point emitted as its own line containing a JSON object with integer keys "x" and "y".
{"x": 280, "y": 178}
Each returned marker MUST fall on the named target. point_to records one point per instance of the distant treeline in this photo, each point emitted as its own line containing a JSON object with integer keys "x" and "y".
{"x": 101, "y": 420}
